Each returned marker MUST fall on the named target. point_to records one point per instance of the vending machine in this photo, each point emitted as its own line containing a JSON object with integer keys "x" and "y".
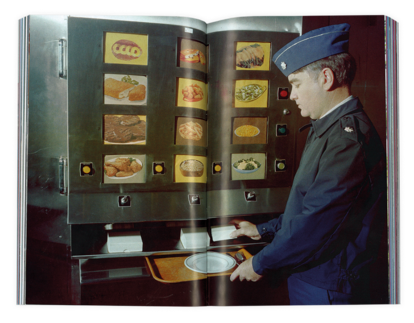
{"x": 145, "y": 140}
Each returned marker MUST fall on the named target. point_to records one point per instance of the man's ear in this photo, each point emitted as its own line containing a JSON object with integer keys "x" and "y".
{"x": 327, "y": 79}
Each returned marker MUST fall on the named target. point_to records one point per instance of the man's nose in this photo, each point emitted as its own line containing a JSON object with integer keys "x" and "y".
{"x": 293, "y": 95}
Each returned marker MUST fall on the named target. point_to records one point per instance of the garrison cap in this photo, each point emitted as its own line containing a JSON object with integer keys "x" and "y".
{"x": 312, "y": 46}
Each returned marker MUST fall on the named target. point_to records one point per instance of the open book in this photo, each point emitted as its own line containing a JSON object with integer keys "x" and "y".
{"x": 186, "y": 125}
{"x": 150, "y": 138}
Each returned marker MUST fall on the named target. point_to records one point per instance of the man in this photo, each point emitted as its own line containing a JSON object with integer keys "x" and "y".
{"x": 330, "y": 230}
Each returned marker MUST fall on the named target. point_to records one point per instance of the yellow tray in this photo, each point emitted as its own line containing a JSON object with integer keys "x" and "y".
{"x": 173, "y": 270}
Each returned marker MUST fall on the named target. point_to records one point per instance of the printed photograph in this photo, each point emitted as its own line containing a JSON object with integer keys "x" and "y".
{"x": 248, "y": 166}
{"x": 191, "y": 94}
{"x": 192, "y": 54}
{"x": 252, "y": 56}
{"x": 252, "y": 130}
{"x": 124, "y": 169}
{"x": 251, "y": 93}
{"x": 191, "y": 131}
{"x": 124, "y": 129}
{"x": 190, "y": 169}
{"x": 130, "y": 49}
{"x": 125, "y": 89}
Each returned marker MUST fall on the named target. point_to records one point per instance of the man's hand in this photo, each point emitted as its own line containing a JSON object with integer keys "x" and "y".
{"x": 245, "y": 229}
{"x": 245, "y": 271}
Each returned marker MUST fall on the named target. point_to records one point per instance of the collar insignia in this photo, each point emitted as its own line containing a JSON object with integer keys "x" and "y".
{"x": 349, "y": 129}
{"x": 283, "y": 65}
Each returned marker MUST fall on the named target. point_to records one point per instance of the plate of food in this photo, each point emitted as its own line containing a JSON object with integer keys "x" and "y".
{"x": 209, "y": 262}
{"x": 192, "y": 56}
{"x": 250, "y": 92}
{"x": 246, "y": 131}
{"x": 191, "y": 131}
{"x": 191, "y": 168}
{"x": 122, "y": 167}
{"x": 125, "y": 89}
{"x": 192, "y": 93}
{"x": 250, "y": 56}
{"x": 246, "y": 166}
{"x": 124, "y": 129}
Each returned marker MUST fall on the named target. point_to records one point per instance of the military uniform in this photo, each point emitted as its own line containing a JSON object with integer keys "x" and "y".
{"x": 330, "y": 230}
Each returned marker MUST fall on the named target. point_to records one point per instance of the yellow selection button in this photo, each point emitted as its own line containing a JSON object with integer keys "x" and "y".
{"x": 217, "y": 168}
{"x": 158, "y": 168}
{"x": 86, "y": 169}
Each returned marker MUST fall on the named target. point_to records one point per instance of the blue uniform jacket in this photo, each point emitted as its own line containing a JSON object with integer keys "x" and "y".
{"x": 333, "y": 220}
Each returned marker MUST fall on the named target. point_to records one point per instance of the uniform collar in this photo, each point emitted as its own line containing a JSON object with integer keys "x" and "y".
{"x": 321, "y": 125}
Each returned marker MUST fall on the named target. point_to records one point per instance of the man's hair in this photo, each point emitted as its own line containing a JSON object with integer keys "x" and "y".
{"x": 342, "y": 65}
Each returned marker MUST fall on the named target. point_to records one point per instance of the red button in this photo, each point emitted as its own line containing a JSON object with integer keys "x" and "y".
{"x": 283, "y": 93}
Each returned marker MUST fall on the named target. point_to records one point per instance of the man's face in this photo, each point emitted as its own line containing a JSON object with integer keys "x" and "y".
{"x": 307, "y": 93}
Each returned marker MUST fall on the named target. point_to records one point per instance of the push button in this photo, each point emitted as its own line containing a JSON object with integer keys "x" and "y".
{"x": 124, "y": 201}
{"x": 250, "y": 196}
{"x": 86, "y": 169}
{"x": 194, "y": 199}
{"x": 281, "y": 130}
{"x": 217, "y": 168}
{"x": 280, "y": 165}
{"x": 158, "y": 168}
{"x": 283, "y": 93}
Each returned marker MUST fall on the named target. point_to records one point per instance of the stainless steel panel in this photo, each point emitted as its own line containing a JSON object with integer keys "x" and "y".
{"x": 226, "y": 203}
{"x": 47, "y": 139}
{"x": 178, "y": 21}
{"x": 48, "y": 234}
{"x": 159, "y": 198}
{"x": 280, "y": 24}
{"x": 22, "y": 160}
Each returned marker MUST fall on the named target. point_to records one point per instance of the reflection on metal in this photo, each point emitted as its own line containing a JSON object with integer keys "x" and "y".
{"x": 179, "y": 21}
{"x": 279, "y": 24}
{"x": 22, "y": 160}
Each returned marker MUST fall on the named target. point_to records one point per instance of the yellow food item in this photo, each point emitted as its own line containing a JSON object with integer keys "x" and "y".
{"x": 191, "y": 130}
{"x": 138, "y": 93}
{"x": 117, "y": 89}
{"x": 247, "y": 131}
{"x": 124, "y": 173}
{"x": 193, "y": 93}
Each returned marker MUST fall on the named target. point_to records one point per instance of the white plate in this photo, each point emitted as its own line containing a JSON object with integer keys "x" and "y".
{"x": 123, "y": 143}
{"x": 113, "y": 159}
{"x": 209, "y": 262}
{"x": 242, "y": 171}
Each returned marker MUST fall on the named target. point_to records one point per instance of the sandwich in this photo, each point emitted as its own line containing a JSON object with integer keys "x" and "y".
{"x": 117, "y": 89}
{"x": 192, "y": 56}
{"x": 138, "y": 93}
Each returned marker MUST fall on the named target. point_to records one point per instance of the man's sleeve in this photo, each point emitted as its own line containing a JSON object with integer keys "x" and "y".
{"x": 268, "y": 229}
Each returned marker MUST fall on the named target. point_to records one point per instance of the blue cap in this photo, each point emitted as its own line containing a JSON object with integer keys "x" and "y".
{"x": 312, "y": 46}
